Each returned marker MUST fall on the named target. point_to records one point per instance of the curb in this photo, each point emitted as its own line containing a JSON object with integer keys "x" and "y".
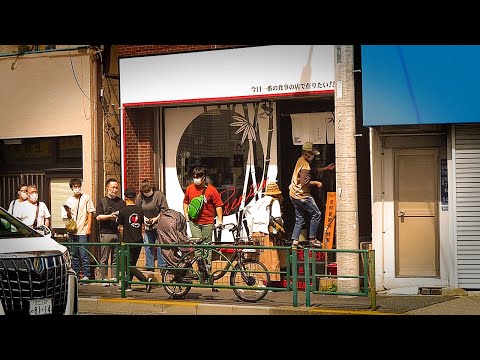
{"x": 113, "y": 306}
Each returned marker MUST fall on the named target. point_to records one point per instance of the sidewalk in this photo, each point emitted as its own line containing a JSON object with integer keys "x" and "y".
{"x": 97, "y": 299}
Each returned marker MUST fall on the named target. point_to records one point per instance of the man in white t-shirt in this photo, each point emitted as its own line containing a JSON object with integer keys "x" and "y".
{"x": 32, "y": 212}
{"x": 80, "y": 207}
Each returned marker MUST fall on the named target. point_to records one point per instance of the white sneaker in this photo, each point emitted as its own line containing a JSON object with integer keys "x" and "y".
{"x": 85, "y": 278}
{"x": 115, "y": 281}
{"x": 149, "y": 286}
{"x": 127, "y": 289}
{"x": 105, "y": 284}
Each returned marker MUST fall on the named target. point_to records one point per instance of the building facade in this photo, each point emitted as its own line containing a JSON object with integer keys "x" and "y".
{"x": 420, "y": 105}
{"x": 48, "y": 120}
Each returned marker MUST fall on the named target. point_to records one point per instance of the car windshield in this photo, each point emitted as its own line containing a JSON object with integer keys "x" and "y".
{"x": 11, "y": 227}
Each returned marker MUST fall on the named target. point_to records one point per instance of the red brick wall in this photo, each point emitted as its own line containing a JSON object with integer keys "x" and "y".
{"x": 139, "y": 50}
{"x": 139, "y": 147}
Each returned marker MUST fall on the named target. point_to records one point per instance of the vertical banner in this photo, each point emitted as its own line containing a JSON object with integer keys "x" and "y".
{"x": 330, "y": 214}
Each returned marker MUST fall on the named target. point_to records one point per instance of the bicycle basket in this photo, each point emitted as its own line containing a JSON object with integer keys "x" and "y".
{"x": 253, "y": 240}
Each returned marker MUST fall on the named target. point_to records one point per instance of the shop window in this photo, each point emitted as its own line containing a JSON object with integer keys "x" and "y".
{"x": 228, "y": 143}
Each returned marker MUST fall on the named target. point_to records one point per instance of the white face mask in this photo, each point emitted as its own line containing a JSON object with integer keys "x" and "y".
{"x": 310, "y": 157}
{"x": 34, "y": 197}
{"x": 24, "y": 195}
{"x": 197, "y": 181}
{"x": 77, "y": 191}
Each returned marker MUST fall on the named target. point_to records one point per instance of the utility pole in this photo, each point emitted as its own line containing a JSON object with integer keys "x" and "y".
{"x": 346, "y": 169}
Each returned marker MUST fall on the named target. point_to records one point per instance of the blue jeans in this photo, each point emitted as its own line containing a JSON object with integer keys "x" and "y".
{"x": 151, "y": 238}
{"x": 306, "y": 209}
{"x": 80, "y": 254}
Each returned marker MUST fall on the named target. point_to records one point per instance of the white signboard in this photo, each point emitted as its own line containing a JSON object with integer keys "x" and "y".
{"x": 250, "y": 72}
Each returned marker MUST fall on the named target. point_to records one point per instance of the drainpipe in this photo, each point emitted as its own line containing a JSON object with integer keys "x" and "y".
{"x": 346, "y": 169}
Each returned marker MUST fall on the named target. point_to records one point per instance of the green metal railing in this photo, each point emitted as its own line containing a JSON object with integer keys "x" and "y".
{"x": 291, "y": 274}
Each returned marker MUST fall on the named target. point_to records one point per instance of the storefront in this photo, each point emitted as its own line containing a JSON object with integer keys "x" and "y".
{"x": 243, "y": 112}
{"x": 47, "y": 123}
{"x": 420, "y": 103}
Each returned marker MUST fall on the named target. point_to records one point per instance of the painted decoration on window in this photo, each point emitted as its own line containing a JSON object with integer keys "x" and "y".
{"x": 234, "y": 142}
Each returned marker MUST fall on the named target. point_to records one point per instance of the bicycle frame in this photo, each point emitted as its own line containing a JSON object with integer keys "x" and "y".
{"x": 243, "y": 271}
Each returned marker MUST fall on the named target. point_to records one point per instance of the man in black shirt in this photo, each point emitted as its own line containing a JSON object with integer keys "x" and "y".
{"x": 130, "y": 221}
{"x": 107, "y": 212}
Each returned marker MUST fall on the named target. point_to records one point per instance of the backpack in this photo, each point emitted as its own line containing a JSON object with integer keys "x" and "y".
{"x": 196, "y": 205}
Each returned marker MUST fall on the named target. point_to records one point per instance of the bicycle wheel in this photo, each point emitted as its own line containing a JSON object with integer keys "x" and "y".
{"x": 173, "y": 277}
{"x": 250, "y": 273}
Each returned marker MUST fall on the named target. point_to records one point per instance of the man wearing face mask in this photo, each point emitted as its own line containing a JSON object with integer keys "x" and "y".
{"x": 80, "y": 207}
{"x": 306, "y": 210}
{"x": 107, "y": 213}
{"x": 15, "y": 205}
{"x": 34, "y": 213}
{"x": 151, "y": 202}
{"x": 202, "y": 226}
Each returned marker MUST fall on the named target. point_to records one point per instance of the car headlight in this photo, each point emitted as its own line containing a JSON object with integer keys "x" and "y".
{"x": 67, "y": 259}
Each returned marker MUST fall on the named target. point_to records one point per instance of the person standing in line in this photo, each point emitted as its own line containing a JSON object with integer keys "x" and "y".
{"x": 130, "y": 221}
{"x": 34, "y": 213}
{"x": 258, "y": 221}
{"x": 107, "y": 213}
{"x": 15, "y": 205}
{"x": 202, "y": 226}
{"x": 151, "y": 202}
{"x": 80, "y": 207}
{"x": 306, "y": 210}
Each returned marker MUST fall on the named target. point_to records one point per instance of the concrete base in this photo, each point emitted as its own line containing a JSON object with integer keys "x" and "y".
{"x": 454, "y": 292}
{"x": 403, "y": 291}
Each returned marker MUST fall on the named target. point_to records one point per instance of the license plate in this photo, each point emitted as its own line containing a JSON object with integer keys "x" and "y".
{"x": 40, "y": 306}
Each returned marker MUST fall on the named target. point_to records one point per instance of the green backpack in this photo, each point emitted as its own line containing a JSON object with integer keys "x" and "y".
{"x": 196, "y": 205}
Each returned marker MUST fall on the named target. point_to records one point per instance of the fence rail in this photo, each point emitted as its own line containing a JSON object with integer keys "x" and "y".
{"x": 315, "y": 266}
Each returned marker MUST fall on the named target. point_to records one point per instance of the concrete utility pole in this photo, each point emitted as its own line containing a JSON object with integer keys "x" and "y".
{"x": 346, "y": 169}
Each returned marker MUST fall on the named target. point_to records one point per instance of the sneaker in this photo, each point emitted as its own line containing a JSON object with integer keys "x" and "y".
{"x": 127, "y": 289}
{"x": 84, "y": 278}
{"x": 296, "y": 244}
{"x": 115, "y": 281}
{"x": 105, "y": 284}
{"x": 315, "y": 243}
{"x": 149, "y": 286}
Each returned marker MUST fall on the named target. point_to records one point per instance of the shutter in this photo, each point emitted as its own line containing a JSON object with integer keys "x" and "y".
{"x": 467, "y": 168}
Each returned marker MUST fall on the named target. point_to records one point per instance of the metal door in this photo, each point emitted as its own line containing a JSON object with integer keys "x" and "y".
{"x": 416, "y": 213}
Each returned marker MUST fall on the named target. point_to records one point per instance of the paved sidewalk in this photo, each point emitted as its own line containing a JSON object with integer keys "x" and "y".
{"x": 97, "y": 299}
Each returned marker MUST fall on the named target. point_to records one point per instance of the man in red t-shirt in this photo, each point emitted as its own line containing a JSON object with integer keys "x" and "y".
{"x": 202, "y": 226}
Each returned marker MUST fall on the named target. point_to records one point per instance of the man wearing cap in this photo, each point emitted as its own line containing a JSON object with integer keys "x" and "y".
{"x": 299, "y": 191}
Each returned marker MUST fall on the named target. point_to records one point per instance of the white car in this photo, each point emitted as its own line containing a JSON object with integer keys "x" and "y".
{"x": 36, "y": 276}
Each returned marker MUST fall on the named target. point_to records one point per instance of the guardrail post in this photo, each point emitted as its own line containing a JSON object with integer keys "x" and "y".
{"x": 306, "y": 262}
{"x": 122, "y": 272}
{"x": 294, "y": 276}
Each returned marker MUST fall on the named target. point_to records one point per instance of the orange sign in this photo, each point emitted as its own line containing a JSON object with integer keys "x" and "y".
{"x": 330, "y": 214}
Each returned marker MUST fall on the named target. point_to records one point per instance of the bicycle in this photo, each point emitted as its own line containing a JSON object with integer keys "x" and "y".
{"x": 248, "y": 275}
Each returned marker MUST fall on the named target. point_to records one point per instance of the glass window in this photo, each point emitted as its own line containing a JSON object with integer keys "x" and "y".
{"x": 227, "y": 142}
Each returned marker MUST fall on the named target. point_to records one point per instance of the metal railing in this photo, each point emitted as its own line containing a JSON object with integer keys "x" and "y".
{"x": 313, "y": 283}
